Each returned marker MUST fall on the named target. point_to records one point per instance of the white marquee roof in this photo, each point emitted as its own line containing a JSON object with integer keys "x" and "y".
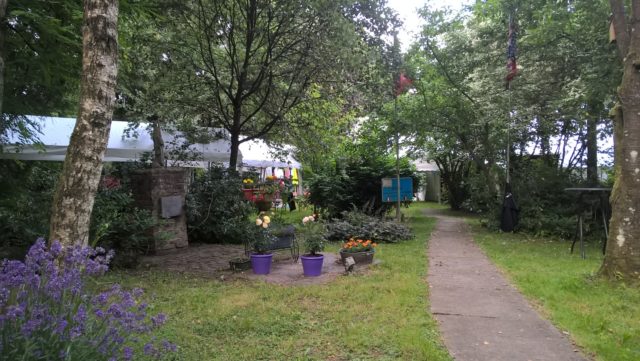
{"x": 56, "y": 133}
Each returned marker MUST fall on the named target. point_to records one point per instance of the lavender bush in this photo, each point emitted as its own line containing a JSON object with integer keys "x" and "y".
{"x": 48, "y": 313}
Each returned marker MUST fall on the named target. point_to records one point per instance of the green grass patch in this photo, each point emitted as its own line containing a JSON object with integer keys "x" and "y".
{"x": 382, "y": 314}
{"x": 602, "y": 317}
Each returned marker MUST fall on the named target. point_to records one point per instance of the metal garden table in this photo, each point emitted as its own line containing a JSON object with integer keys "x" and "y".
{"x": 594, "y": 200}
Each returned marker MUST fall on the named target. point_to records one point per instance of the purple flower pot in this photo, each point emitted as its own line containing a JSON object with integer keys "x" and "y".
{"x": 261, "y": 263}
{"x": 312, "y": 265}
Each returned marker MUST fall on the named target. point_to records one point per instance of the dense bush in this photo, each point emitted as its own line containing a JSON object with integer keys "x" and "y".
{"x": 216, "y": 209}
{"x": 47, "y": 312}
{"x": 117, "y": 224}
{"x": 356, "y": 182}
{"x": 26, "y": 190}
{"x": 359, "y": 225}
{"x": 538, "y": 188}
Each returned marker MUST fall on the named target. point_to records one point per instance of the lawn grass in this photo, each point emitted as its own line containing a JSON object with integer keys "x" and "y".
{"x": 601, "y": 317}
{"x": 382, "y": 314}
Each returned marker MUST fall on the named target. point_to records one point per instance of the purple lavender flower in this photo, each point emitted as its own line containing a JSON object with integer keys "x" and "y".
{"x": 159, "y": 319}
{"x": 29, "y": 327}
{"x": 15, "y": 311}
{"x": 12, "y": 274}
{"x": 168, "y": 346}
{"x": 55, "y": 248}
{"x": 75, "y": 332}
{"x": 61, "y": 326}
{"x": 44, "y": 304}
{"x": 127, "y": 353}
{"x": 149, "y": 349}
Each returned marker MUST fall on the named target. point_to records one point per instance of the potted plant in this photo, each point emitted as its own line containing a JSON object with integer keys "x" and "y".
{"x": 261, "y": 255}
{"x": 248, "y": 189}
{"x": 266, "y": 192}
{"x": 362, "y": 251}
{"x": 313, "y": 234}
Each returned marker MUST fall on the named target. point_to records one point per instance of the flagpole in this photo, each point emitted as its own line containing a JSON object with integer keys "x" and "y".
{"x": 509, "y": 136}
{"x": 397, "y": 136}
{"x": 512, "y": 71}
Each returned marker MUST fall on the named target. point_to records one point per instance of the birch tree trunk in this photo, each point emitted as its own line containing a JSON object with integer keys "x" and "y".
{"x": 622, "y": 258}
{"x": 78, "y": 183}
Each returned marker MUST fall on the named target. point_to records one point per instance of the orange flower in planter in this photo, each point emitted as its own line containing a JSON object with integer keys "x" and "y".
{"x": 358, "y": 245}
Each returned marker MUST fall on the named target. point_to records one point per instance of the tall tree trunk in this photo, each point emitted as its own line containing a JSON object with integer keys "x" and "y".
{"x": 3, "y": 28}
{"x": 78, "y": 183}
{"x": 235, "y": 133}
{"x": 622, "y": 258}
{"x": 592, "y": 150}
{"x": 158, "y": 143}
{"x": 234, "y": 152}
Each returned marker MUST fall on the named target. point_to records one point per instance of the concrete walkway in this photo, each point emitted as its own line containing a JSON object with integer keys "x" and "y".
{"x": 481, "y": 316}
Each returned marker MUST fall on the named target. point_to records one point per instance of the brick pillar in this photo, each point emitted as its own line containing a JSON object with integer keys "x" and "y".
{"x": 162, "y": 191}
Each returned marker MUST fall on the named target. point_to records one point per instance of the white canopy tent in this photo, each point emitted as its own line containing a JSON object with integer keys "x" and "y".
{"x": 256, "y": 153}
{"x": 56, "y": 133}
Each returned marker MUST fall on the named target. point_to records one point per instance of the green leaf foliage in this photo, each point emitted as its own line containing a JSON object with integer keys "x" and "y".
{"x": 216, "y": 209}
{"x": 358, "y": 225}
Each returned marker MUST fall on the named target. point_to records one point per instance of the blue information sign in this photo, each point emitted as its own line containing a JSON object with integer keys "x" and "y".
{"x": 390, "y": 189}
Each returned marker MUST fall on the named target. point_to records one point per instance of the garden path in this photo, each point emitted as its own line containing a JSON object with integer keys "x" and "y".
{"x": 481, "y": 315}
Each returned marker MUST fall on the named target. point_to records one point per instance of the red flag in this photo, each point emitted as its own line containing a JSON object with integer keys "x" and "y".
{"x": 512, "y": 69}
{"x": 402, "y": 84}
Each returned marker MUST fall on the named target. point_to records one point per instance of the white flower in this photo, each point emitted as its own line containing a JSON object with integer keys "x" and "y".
{"x": 306, "y": 219}
{"x": 265, "y": 225}
{"x": 258, "y": 221}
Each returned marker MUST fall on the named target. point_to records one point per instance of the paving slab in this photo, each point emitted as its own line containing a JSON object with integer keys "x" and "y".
{"x": 481, "y": 316}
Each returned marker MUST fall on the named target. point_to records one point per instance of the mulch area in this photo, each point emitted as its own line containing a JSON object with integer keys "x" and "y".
{"x": 212, "y": 261}
{"x": 202, "y": 259}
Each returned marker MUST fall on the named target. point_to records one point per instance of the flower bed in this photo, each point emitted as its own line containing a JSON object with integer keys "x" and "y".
{"x": 362, "y": 251}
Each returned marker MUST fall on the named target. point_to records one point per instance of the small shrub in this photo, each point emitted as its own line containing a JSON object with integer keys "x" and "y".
{"x": 261, "y": 237}
{"x": 313, "y": 234}
{"x": 47, "y": 312}
{"x": 359, "y": 225}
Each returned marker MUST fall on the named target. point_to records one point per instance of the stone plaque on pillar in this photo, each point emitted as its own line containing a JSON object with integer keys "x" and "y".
{"x": 171, "y": 206}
